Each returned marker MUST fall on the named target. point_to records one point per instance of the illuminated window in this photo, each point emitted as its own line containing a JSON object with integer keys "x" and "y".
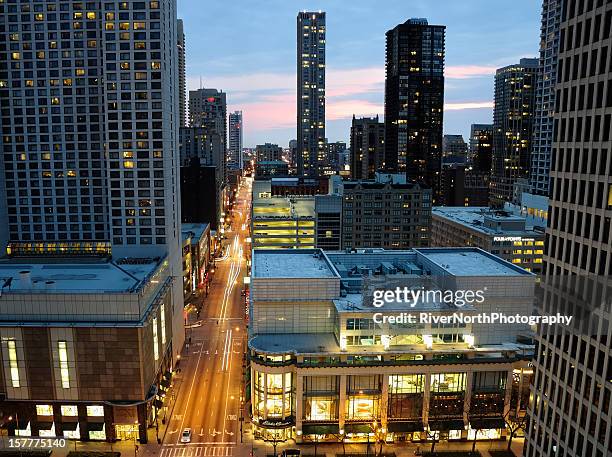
{"x": 139, "y": 26}
{"x": 110, "y": 16}
{"x": 162, "y": 313}
{"x": 95, "y": 411}
{"x": 15, "y": 56}
{"x": 91, "y": 15}
{"x": 12, "y": 350}
{"x": 156, "y": 65}
{"x": 63, "y": 364}
{"x": 128, "y": 164}
{"x": 155, "y": 342}
{"x": 610, "y": 196}
{"x": 44, "y": 410}
{"x": 70, "y": 410}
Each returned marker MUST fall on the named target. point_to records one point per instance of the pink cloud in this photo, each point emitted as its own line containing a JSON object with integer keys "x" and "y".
{"x": 467, "y": 105}
{"x": 468, "y": 71}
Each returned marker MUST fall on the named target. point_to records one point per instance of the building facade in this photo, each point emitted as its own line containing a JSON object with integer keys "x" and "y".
{"x": 367, "y": 147}
{"x": 182, "y": 51}
{"x": 311, "y": 152}
{"x": 326, "y": 366}
{"x": 234, "y": 148}
{"x": 268, "y": 152}
{"x": 463, "y": 186}
{"x": 545, "y": 97}
{"x": 414, "y": 101}
{"x": 383, "y": 214}
{"x": 197, "y": 256}
{"x": 481, "y": 147}
{"x": 454, "y": 146}
{"x": 501, "y": 233}
{"x": 513, "y": 119}
{"x": 571, "y": 410}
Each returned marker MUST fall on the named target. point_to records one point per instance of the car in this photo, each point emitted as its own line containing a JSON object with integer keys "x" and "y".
{"x": 186, "y": 436}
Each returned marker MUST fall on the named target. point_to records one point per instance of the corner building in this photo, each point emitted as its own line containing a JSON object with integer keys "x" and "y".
{"x": 324, "y": 368}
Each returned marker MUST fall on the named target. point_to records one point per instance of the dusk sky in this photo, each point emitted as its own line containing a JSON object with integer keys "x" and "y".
{"x": 248, "y": 49}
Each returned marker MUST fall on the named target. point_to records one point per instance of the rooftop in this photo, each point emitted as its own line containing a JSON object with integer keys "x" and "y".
{"x": 197, "y": 229}
{"x": 63, "y": 275}
{"x": 290, "y": 264}
{"x": 473, "y": 217}
{"x": 470, "y": 262}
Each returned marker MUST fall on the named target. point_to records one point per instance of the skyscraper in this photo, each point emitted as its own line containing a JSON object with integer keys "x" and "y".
{"x": 310, "y": 92}
{"x": 235, "y": 140}
{"x": 572, "y": 390}
{"x": 90, "y": 120}
{"x": 182, "y": 85}
{"x": 102, "y": 140}
{"x": 513, "y": 118}
{"x": 481, "y": 147}
{"x": 545, "y": 97}
{"x": 367, "y": 147}
{"x": 414, "y": 101}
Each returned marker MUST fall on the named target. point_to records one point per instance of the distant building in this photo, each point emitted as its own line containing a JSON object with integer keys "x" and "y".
{"x": 311, "y": 152}
{"x": 463, "y": 186}
{"x": 539, "y": 177}
{"x": 181, "y": 51}
{"x": 197, "y": 256}
{"x": 268, "y": 152}
{"x": 367, "y": 147}
{"x": 208, "y": 108}
{"x": 327, "y": 366}
{"x": 234, "y": 148}
{"x": 333, "y": 151}
{"x": 385, "y": 214}
{"x": 513, "y": 118}
{"x": 499, "y": 232}
{"x": 271, "y": 168}
{"x": 414, "y": 101}
{"x": 481, "y": 147}
{"x": 202, "y": 199}
{"x": 454, "y": 146}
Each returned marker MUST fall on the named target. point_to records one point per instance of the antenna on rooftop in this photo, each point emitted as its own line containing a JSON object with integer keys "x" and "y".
{"x": 200, "y": 81}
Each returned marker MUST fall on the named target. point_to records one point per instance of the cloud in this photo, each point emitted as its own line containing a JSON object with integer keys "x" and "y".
{"x": 468, "y": 71}
{"x": 455, "y": 106}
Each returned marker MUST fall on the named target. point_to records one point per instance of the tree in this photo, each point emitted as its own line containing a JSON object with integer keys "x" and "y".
{"x": 514, "y": 422}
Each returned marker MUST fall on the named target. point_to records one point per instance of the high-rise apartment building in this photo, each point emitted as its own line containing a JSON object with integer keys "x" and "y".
{"x": 268, "y": 152}
{"x": 89, "y": 106}
{"x": 181, "y": 49}
{"x": 367, "y": 147}
{"x": 571, "y": 411}
{"x": 545, "y": 97}
{"x": 481, "y": 147}
{"x": 513, "y": 119}
{"x": 310, "y": 92}
{"x": 208, "y": 108}
{"x": 454, "y": 146}
{"x": 414, "y": 101}
{"x": 234, "y": 149}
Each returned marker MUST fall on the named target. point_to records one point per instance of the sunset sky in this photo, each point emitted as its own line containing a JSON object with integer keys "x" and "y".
{"x": 248, "y": 49}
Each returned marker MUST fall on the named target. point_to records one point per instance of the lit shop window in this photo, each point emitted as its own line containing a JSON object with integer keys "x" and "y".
{"x": 44, "y": 410}
{"x": 448, "y": 382}
{"x": 95, "y": 411}
{"x": 63, "y": 364}
{"x": 72, "y": 434}
{"x": 362, "y": 407}
{"x": 70, "y": 410}
{"x": 155, "y": 342}
{"x": 163, "y": 323}
{"x": 12, "y": 351}
{"x": 98, "y": 434}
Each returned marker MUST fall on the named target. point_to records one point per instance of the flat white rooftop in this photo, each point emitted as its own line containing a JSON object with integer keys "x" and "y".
{"x": 85, "y": 277}
{"x": 471, "y": 262}
{"x": 473, "y": 217}
{"x": 290, "y": 264}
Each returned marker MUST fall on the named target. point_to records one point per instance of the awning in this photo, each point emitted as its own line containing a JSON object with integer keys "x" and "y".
{"x": 70, "y": 426}
{"x": 95, "y": 426}
{"x": 358, "y": 428}
{"x": 446, "y": 425}
{"x": 45, "y": 425}
{"x": 158, "y": 403}
{"x": 486, "y": 423}
{"x": 320, "y": 429}
{"x": 405, "y": 426}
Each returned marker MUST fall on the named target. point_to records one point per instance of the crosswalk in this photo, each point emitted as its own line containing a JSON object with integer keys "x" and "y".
{"x": 197, "y": 451}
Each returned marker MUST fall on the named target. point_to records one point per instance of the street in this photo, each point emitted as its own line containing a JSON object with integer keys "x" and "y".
{"x": 208, "y": 401}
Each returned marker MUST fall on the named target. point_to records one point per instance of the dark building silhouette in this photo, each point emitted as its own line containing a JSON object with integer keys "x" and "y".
{"x": 461, "y": 186}
{"x": 481, "y": 147}
{"x": 367, "y": 147}
{"x": 414, "y": 101}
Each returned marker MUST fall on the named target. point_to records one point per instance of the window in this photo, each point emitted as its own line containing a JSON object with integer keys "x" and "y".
{"x": 12, "y": 350}
{"x": 95, "y": 411}
{"x": 44, "y": 410}
{"x": 69, "y": 410}
{"x": 63, "y": 364}
{"x": 162, "y": 313}
{"x": 155, "y": 341}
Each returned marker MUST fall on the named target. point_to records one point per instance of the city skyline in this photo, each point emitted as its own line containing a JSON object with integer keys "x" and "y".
{"x": 259, "y": 77}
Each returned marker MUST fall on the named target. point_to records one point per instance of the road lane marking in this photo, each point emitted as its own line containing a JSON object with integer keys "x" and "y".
{"x": 190, "y": 391}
